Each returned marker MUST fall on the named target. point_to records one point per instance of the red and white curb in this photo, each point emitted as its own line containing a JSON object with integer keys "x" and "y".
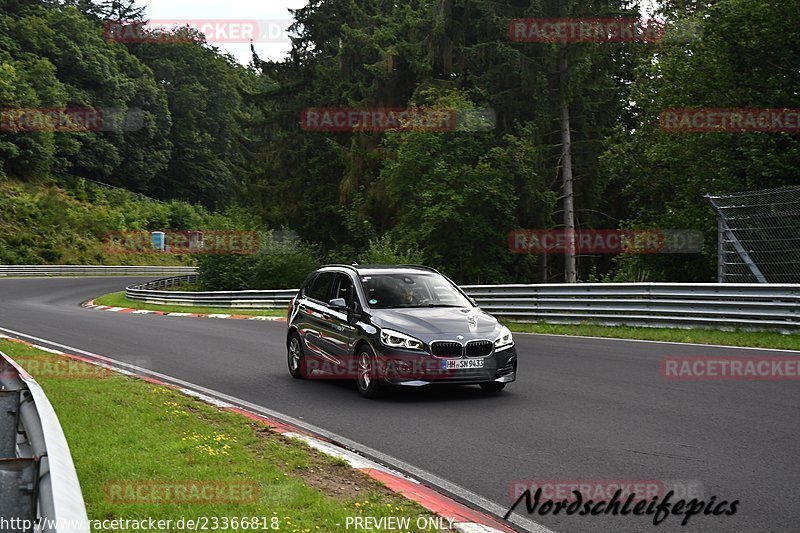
{"x": 458, "y": 516}
{"x": 91, "y": 305}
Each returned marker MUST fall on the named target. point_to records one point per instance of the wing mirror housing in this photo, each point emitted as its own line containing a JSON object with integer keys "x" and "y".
{"x": 339, "y": 304}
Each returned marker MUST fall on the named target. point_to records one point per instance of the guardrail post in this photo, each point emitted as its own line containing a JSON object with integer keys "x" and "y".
{"x": 18, "y": 482}
{"x": 39, "y": 478}
{"x": 9, "y": 422}
{"x": 721, "y": 253}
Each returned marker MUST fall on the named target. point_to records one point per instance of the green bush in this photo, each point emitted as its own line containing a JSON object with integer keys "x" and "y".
{"x": 279, "y": 264}
{"x": 284, "y": 264}
{"x": 385, "y": 251}
{"x": 225, "y": 272}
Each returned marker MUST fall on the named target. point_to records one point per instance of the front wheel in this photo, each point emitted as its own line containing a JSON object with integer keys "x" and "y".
{"x": 493, "y": 386}
{"x": 295, "y": 356}
{"x": 367, "y": 381}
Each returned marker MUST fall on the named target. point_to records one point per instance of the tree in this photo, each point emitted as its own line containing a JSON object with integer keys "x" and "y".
{"x": 119, "y": 10}
{"x": 204, "y": 96}
{"x": 665, "y": 174}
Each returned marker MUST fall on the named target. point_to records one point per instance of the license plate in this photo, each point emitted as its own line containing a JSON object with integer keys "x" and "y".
{"x": 459, "y": 364}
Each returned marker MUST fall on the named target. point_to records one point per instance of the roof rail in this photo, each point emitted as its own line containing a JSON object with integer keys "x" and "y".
{"x": 356, "y": 267}
{"x": 424, "y": 267}
{"x": 351, "y": 267}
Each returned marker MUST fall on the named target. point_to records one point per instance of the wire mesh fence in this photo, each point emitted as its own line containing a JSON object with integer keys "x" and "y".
{"x": 759, "y": 236}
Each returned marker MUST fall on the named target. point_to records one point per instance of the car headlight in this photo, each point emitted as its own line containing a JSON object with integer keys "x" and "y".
{"x": 505, "y": 340}
{"x": 395, "y": 339}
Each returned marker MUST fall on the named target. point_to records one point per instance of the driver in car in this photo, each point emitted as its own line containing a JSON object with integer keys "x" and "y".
{"x": 407, "y": 296}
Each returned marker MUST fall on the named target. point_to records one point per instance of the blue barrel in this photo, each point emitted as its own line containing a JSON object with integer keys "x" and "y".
{"x": 157, "y": 238}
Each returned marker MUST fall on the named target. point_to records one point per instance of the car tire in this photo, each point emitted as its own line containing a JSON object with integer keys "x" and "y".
{"x": 295, "y": 356}
{"x": 492, "y": 386}
{"x": 367, "y": 381}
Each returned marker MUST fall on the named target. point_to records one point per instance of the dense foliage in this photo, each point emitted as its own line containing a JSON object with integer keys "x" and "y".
{"x": 279, "y": 264}
{"x": 69, "y": 223}
{"x": 220, "y": 134}
{"x": 54, "y": 55}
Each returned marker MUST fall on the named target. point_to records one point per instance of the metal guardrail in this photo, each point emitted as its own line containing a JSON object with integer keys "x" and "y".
{"x": 728, "y": 305}
{"x": 37, "y": 475}
{"x": 148, "y": 292}
{"x": 93, "y": 270}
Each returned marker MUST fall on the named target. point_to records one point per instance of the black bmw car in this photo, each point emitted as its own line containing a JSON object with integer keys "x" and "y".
{"x": 402, "y": 325}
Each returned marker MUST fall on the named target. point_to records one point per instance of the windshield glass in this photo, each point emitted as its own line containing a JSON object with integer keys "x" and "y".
{"x": 386, "y": 291}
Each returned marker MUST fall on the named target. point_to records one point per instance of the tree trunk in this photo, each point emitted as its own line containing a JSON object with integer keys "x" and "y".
{"x": 570, "y": 275}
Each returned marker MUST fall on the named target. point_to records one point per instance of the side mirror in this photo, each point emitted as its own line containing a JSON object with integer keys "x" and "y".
{"x": 339, "y": 304}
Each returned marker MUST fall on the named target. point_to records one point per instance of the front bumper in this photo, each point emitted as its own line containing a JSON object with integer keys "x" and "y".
{"x": 415, "y": 369}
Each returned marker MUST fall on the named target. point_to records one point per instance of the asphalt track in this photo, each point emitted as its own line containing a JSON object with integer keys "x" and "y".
{"x": 581, "y": 409}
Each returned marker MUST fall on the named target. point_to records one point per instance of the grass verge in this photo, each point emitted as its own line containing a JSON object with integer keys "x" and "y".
{"x": 126, "y": 435}
{"x": 757, "y": 339}
{"x": 118, "y": 299}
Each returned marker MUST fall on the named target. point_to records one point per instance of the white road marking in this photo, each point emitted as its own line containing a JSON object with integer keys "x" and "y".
{"x": 43, "y": 348}
{"x": 472, "y": 527}
{"x": 207, "y": 399}
{"x": 353, "y": 459}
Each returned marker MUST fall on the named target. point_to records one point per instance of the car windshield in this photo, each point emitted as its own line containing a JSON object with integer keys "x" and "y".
{"x": 386, "y": 291}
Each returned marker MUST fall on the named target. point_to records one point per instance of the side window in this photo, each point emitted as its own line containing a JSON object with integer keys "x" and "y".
{"x": 321, "y": 287}
{"x": 344, "y": 288}
{"x": 307, "y": 285}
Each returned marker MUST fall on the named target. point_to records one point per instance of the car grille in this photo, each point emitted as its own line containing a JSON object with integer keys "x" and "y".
{"x": 456, "y": 349}
{"x": 478, "y": 348}
{"x": 447, "y": 349}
